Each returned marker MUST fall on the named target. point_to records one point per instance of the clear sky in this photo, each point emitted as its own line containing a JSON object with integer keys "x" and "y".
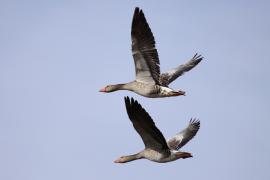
{"x": 56, "y": 55}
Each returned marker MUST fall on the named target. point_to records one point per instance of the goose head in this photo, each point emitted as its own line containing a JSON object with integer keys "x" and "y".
{"x": 110, "y": 88}
{"x": 122, "y": 159}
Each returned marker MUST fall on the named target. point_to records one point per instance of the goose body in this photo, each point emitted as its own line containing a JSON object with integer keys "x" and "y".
{"x": 157, "y": 149}
{"x": 159, "y": 157}
{"x": 149, "y": 81}
{"x": 144, "y": 89}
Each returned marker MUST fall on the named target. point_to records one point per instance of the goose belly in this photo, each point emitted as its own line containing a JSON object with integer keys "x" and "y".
{"x": 153, "y": 155}
{"x": 156, "y": 156}
{"x": 151, "y": 90}
{"x": 147, "y": 90}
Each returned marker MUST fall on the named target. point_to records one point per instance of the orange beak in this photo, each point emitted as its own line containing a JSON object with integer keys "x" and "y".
{"x": 102, "y": 90}
{"x": 117, "y": 161}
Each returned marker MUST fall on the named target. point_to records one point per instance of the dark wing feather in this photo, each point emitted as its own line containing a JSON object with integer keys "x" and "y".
{"x": 145, "y": 126}
{"x": 167, "y": 77}
{"x": 180, "y": 139}
{"x": 144, "y": 51}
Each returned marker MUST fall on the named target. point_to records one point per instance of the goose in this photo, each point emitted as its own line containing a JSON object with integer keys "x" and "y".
{"x": 157, "y": 149}
{"x": 149, "y": 82}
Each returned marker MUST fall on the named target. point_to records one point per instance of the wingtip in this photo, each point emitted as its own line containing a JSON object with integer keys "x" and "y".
{"x": 134, "y": 102}
{"x": 127, "y": 101}
{"x": 198, "y": 57}
{"x": 195, "y": 121}
{"x": 137, "y": 10}
{"x": 130, "y": 101}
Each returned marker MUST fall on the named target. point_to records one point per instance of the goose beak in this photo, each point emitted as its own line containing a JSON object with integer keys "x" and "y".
{"x": 102, "y": 90}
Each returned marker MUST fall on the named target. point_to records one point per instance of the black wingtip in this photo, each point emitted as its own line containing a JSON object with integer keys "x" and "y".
{"x": 195, "y": 122}
{"x": 137, "y": 11}
{"x": 198, "y": 57}
{"x": 134, "y": 102}
{"x": 126, "y": 98}
{"x": 128, "y": 105}
{"x": 130, "y": 101}
{"x": 132, "y": 107}
{"x": 127, "y": 102}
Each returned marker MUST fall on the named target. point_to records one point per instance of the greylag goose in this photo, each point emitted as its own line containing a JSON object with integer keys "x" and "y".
{"x": 149, "y": 82}
{"x": 157, "y": 149}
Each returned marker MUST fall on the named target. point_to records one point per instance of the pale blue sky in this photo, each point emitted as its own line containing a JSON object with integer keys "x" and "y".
{"x": 56, "y": 55}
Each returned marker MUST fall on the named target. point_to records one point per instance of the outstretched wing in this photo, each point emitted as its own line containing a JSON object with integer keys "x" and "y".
{"x": 167, "y": 77}
{"x": 145, "y": 126}
{"x": 144, "y": 51}
{"x": 180, "y": 139}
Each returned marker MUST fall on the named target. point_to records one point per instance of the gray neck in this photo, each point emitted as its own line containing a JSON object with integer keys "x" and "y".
{"x": 126, "y": 86}
{"x": 133, "y": 157}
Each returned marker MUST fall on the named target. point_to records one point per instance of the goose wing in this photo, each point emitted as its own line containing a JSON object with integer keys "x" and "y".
{"x": 144, "y": 52}
{"x": 180, "y": 139}
{"x": 145, "y": 127}
{"x": 167, "y": 77}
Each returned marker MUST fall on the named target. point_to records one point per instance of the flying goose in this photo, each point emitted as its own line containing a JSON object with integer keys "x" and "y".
{"x": 157, "y": 149}
{"x": 149, "y": 82}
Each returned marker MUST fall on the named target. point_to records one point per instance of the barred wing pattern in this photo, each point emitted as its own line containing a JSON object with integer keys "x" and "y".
{"x": 180, "y": 139}
{"x": 167, "y": 77}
